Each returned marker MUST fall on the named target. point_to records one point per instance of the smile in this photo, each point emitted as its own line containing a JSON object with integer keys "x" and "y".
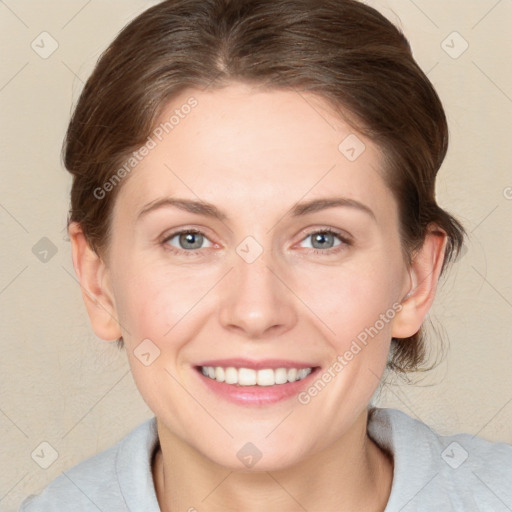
{"x": 251, "y": 377}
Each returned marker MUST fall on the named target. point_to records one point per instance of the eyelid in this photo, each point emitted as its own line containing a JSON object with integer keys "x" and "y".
{"x": 345, "y": 237}
{"x": 164, "y": 240}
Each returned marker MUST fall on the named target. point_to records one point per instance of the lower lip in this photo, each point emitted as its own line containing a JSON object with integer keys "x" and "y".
{"x": 256, "y": 395}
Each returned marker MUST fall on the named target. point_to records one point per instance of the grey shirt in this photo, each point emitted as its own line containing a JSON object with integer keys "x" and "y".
{"x": 431, "y": 472}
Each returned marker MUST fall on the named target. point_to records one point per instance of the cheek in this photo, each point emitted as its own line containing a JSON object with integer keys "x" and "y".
{"x": 352, "y": 299}
{"x": 156, "y": 302}
{"x": 140, "y": 309}
{"x": 156, "y": 310}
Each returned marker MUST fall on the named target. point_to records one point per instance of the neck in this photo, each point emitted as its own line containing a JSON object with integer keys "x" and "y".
{"x": 352, "y": 474}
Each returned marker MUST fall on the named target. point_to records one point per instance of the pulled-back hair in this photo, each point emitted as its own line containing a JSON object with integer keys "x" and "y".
{"x": 342, "y": 50}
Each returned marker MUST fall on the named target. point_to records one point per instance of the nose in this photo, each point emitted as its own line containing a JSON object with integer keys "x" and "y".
{"x": 256, "y": 300}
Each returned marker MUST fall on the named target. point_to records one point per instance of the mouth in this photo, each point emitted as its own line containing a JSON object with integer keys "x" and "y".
{"x": 251, "y": 377}
{"x": 255, "y": 382}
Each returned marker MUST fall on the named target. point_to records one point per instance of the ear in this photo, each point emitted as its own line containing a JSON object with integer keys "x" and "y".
{"x": 93, "y": 276}
{"x": 424, "y": 272}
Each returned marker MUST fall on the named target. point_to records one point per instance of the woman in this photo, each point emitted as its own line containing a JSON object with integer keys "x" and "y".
{"x": 253, "y": 218}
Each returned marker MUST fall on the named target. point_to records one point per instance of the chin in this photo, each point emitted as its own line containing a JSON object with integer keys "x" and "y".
{"x": 255, "y": 456}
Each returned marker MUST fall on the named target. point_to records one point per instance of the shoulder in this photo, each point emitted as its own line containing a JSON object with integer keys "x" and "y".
{"x": 456, "y": 472}
{"x": 118, "y": 478}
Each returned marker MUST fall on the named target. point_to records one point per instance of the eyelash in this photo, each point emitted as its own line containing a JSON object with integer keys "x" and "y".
{"x": 345, "y": 241}
{"x": 181, "y": 251}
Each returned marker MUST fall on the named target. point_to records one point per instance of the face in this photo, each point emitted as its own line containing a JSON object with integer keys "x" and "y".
{"x": 250, "y": 246}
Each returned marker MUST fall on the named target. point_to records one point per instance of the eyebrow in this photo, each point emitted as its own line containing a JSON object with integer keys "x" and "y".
{"x": 332, "y": 202}
{"x": 298, "y": 210}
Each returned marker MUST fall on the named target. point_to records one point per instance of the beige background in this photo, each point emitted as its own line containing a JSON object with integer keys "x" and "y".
{"x": 60, "y": 385}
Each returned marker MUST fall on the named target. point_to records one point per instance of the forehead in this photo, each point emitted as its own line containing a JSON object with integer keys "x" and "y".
{"x": 247, "y": 146}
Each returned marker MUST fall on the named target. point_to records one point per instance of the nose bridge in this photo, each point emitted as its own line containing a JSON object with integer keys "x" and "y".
{"x": 256, "y": 301}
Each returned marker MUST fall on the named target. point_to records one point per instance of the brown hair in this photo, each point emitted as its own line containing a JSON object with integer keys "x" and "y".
{"x": 342, "y": 50}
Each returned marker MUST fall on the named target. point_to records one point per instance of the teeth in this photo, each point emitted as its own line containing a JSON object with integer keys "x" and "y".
{"x": 266, "y": 377}
{"x": 246, "y": 377}
{"x": 302, "y": 373}
{"x": 250, "y": 377}
{"x": 220, "y": 375}
{"x": 281, "y": 375}
{"x": 231, "y": 375}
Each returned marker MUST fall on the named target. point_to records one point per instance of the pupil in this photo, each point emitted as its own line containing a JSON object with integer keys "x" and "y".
{"x": 191, "y": 238}
{"x": 322, "y": 238}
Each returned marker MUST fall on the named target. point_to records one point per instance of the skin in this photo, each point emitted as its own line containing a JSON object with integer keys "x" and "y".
{"x": 254, "y": 154}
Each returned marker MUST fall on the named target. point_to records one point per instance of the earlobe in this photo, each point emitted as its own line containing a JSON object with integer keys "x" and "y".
{"x": 93, "y": 276}
{"x": 424, "y": 272}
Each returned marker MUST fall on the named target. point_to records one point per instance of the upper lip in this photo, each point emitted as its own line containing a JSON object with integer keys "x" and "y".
{"x": 256, "y": 365}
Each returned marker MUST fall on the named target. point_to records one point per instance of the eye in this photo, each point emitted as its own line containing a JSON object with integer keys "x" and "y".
{"x": 188, "y": 240}
{"x": 325, "y": 239}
